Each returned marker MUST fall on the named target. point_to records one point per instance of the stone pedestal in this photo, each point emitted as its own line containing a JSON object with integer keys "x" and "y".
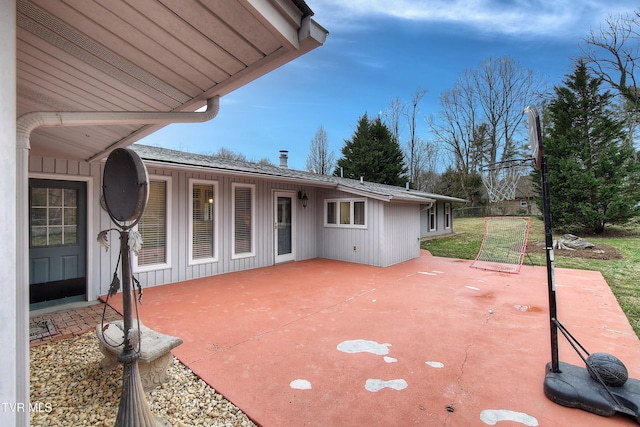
{"x": 155, "y": 351}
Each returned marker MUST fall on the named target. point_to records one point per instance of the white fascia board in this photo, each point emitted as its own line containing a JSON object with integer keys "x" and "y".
{"x": 281, "y": 15}
{"x": 414, "y": 199}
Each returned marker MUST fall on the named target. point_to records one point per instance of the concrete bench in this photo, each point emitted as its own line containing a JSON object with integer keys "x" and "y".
{"x": 155, "y": 351}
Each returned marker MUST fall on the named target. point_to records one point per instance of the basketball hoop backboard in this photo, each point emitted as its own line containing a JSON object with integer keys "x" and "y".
{"x": 535, "y": 135}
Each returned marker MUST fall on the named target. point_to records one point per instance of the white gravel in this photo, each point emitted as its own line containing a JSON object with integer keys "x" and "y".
{"x": 68, "y": 388}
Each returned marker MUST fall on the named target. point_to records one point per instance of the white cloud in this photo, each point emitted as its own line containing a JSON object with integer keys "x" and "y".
{"x": 509, "y": 17}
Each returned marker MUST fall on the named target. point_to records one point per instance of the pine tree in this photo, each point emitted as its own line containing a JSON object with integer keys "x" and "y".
{"x": 373, "y": 154}
{"x": 592, "y": 172}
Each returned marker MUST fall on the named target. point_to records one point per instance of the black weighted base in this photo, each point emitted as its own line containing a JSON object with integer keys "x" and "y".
{"x": 574, "y": 388}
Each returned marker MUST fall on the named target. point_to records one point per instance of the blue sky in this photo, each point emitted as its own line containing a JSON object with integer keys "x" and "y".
{"x": 378, "y": 50}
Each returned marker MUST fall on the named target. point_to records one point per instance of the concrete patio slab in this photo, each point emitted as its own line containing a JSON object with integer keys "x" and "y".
{"x": 427, "y": 342}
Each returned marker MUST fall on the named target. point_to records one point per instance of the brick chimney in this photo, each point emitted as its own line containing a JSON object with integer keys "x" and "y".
{"x": 284, "y": 156}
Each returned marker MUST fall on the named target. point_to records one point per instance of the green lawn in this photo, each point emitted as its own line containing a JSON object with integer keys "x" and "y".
{"x": 622, "y": 275}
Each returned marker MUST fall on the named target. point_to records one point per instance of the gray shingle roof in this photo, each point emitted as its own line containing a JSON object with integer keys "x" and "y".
{"x": 380, "y": 191}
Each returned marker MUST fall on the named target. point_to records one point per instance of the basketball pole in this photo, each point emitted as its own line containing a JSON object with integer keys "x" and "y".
{"x": 551, "y": 283}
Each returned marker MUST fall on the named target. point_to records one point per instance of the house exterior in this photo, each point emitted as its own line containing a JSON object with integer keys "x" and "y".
{"x": 209, "y": 216}
{"x": 80, "y": 79}
{"x": 524, "y": 202}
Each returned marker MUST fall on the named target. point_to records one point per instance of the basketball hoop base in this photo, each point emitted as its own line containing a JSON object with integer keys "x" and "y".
{"x": 574, "y": 388}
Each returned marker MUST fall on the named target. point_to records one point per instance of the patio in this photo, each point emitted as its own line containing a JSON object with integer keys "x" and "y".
{"x": 425, "y": 342}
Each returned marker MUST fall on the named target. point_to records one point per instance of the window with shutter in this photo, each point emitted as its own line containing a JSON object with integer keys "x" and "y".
{"x": 204, "y": 202}
{"x": 153, "y": 225}
{"x": 242, "y": 220}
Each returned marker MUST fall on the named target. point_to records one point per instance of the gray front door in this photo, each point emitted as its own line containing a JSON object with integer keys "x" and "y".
{"x": 57, "y": 239}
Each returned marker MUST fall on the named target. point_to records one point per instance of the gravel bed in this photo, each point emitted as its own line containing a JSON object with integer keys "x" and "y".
{"x": 68, "y": 388}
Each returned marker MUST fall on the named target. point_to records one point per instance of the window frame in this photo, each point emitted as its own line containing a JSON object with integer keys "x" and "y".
{"x": 432, "y": 218}
{"x": 447, "y": 216}
{"x": 337, "y": 202}
{"x": 216, "y": 227}
{"x": 168, "y": 208}
{"x": 252, "y": 252}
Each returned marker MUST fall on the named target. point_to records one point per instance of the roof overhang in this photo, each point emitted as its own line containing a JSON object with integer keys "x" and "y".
{"x": 145, "y": 56}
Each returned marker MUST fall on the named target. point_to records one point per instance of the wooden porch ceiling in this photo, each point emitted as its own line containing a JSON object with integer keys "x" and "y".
{"x": 145, "y": 55}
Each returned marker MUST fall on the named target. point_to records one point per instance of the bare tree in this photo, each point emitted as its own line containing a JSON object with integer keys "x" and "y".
{"x": 455, "y": 124}
{"x": 426, "y": 162}
{"x": 320, "y": 160}
{"x": 503, "y": 90}
{"x": 392, "y": 116}
{"x": 397, "y": 112}
{"x": 481, "y": 117}
{"x": 415, "y": 157}
{"x": 613, "y": 54}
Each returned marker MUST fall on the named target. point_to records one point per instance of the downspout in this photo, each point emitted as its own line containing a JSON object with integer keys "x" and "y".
{"x": 26, "y": 124}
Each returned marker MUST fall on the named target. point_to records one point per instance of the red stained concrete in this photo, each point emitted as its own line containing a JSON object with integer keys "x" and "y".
{"x": 249, "y": 334}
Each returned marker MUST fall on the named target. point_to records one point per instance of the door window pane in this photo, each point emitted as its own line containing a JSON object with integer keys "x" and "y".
{"x": 55, "y": 196}
{"x": 55, "y": 216}
{"x": 39, "y": 217}
{"x": 55, "y": 236}
{"x": 70, "y": 235}
{"x": 38, "y": 197}
{"x": 284, "y": 226}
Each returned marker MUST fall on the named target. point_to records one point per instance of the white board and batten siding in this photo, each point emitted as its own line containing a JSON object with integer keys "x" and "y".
{"x": 439, "y": 227}
{"x": 181, "y": 269}
{"x": 390, "y": 236}
{"x": 401, "y": 232}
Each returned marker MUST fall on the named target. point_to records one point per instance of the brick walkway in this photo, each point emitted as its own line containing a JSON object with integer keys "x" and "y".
{"x": 75, "y": 321}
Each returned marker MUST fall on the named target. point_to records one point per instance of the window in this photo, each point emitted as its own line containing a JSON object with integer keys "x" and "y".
{"x": 432, "y": 218}
{"x": 345, "y": 213}
{"x": 204, "y": 223}
{"x": 54, "y": 216}
{"x": 447, "y": 216}
{"x": 358, "y": 213}
{"x": 243, "y": 208}
{"x": 331, "y": 213}
{"x": 154, "y": 225}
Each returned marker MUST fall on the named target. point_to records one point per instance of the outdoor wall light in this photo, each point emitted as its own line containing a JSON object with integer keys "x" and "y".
{"x": 302, "y": 195}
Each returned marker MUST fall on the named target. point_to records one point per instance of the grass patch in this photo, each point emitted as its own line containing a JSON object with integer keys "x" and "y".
{"x": 621, "y": 275}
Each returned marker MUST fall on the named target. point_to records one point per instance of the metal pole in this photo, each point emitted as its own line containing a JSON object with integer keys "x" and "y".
{"x": 134, "y": 410}
{"x": 546, "y": 208}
